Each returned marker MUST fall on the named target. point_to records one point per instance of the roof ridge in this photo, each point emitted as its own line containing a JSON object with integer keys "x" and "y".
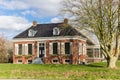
{"x": 48, "y": 23}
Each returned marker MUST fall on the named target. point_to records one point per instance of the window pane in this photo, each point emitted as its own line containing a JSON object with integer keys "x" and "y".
{"x": 29, "y": 61}
{"x": 67, "y": 48}
{"x": 19, "y": 49}
{"x": 29, "y": 48}
{"x": 55, "y": 48}
{"x": 19, "y": 61}
{"x": 90, "y": 52}
{"x": 96, "y": 52}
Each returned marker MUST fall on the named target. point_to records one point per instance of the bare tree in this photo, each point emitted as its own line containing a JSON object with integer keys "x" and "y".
{"x": 6, "y": 50}
{"x": 3, "y": 49}
{"x": 101, "y": 17}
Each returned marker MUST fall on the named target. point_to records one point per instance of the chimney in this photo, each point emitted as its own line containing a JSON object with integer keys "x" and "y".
{"x": 34, "y": 23}
{"x": 65, "y": 21}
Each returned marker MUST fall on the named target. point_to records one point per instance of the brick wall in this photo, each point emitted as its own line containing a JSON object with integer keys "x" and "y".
{"x": 74, "y": 57}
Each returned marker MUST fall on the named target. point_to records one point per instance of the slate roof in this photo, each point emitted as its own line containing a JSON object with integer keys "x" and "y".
{"x": 46, "y": 30}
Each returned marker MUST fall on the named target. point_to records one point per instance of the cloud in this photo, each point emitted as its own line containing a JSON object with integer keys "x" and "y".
{"x": 13, "y": 23}
{"x": 13, "y": 4}
{"x": 41, "y": 7}
{"x": 55, "y": 20}
{"x": 31, "y": 12}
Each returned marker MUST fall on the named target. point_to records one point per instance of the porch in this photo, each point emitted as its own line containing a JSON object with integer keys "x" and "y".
{"x": 94, "y": 54}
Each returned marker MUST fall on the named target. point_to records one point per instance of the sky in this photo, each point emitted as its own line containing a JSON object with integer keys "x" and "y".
{"x": 18, "y": 15}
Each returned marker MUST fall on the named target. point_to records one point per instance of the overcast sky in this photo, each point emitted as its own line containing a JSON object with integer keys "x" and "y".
{"x": 17, "y": 15}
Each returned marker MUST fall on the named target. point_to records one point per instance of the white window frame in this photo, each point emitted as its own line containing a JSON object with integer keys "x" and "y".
{"x": 19, "y": 62}
{"x": 44, "y": 48}
{"x": 32, "y": 48}
{"x": 26, "y": 49}
{"x": 63, "y": 47}
{"x": 58, "y": 43}
{"x": 58, "y": 47}
{"x": 80, "y": 48}
{"x": 16, "y": 49}
{"x": 71, "y": 47}
{"x": 84, "y": 49}
{"x": 51, "y": 48}
{"x": 56, "y": 29}
{"x": 31, "y": 32}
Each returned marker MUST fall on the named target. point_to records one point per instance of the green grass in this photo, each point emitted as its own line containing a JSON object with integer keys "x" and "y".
{"x": 95, "y": 71}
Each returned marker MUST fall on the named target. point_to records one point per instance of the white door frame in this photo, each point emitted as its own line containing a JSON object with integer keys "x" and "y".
{"x": 38, "y": 48}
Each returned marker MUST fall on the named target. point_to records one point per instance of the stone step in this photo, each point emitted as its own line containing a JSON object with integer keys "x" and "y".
{"x": 37, "y": 61}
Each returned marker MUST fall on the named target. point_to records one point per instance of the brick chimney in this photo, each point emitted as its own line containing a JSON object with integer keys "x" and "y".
{"x": 65, "y": 21}
{"x": 34, "y": 23}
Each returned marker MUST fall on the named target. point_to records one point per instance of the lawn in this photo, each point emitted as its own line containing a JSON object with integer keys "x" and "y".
{"x": 95, "y": 71}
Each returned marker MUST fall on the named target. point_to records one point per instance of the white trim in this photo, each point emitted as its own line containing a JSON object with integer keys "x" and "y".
{"x": 56, "y": 31}
{"x": 58, "y": 43}
{"x": 16, "y": 49}
{"x": 31, "y": 32}
{"x": 26, "y": 49}
{"x": 80, "y": 47}
{"x": 51, "y": 48}
{"x": 62, "y": 48}
{"x": 49, "y": 38}
{"x": 71, "y": 47}
{"x": 32, "y": 48}
{"x": 23, "y": 49}
{"x": 38, "y": 48}
{"x": 93, "y": 46}
{"x": 84, "y": 49}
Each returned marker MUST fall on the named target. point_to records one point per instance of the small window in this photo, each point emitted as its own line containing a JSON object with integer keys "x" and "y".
{"x": 31, "y": 33}
{"x": 29, "y": 61}
{"x": 55, "y": 61}
{"x": 56, "y": 31}
{"x": 19, "y": 49}
{"x": 67, "y": 61}
{"x": 19, "y": 61}
{"x": 30, "y": 49}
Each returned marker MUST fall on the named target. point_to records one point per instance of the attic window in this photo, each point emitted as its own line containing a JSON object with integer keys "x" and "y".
{"x": 31, "y": 32}
{"x": 56, "y": 31}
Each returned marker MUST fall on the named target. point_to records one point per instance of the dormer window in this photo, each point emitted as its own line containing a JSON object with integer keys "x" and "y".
{"x": 56, "y": 31}
{"x": 31, "y": 32}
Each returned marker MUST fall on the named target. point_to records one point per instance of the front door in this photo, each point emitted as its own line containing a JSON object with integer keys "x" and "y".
{"x": 41, "y": 50}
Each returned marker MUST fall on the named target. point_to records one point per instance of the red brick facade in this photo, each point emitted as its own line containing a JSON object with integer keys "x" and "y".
{"x": 74, "y": 58}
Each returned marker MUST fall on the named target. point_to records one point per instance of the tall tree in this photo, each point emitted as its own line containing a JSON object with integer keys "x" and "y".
{"x": 101, "y": 17}
{"x": 3, "y": 49}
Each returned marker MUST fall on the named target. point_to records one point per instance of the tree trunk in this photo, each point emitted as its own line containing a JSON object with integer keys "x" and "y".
{"x": 111, "y": 62}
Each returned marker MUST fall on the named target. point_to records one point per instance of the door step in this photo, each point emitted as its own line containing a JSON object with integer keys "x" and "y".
{"x": 37, "y": 61}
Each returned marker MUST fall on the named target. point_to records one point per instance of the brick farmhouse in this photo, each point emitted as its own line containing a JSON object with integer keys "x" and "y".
{"x": 54, "y": 43}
